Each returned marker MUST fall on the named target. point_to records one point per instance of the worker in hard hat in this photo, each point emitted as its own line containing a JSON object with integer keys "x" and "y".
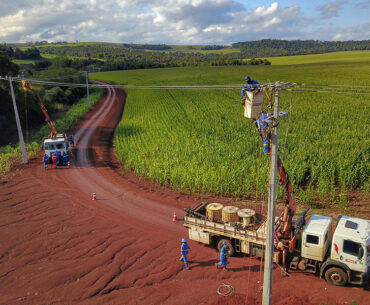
{"x": 184, "y": 252}
{"x": 251, "y": 84}
{"x": 46, "y": 159}
{"x": 71, "y": 141}
{"x": 223, "y": 256}
{"x": 65, "y": 158}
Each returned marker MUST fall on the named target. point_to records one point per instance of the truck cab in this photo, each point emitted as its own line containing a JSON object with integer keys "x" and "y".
{"x": 316, "y": 238}
{"x": 58, "y": 143}
{"x": 350, "y": 252}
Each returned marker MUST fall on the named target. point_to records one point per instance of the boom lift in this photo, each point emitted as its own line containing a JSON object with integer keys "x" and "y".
{"x": 341, "y": 255}
{"x": 55, "y": 141}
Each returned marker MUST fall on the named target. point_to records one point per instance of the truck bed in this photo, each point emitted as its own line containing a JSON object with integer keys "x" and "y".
{"x": 256, "y": 235}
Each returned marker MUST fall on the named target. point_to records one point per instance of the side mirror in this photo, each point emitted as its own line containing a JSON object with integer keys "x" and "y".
{"x": 360, "y": 253}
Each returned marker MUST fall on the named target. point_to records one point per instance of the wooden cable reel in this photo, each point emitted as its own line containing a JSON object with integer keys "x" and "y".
{"x": 214, "y": 211}
{"x": 246, "y": 215}
{"x": 230, "y": 214}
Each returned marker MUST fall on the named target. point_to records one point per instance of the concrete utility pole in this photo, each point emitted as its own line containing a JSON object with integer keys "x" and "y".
{"x": 270, "y": 234}
{"x": 269, "y": 251}
{"x": 99, "y": 73}
{"x": 87, "y": 87}
{"x": 20, "y": 134}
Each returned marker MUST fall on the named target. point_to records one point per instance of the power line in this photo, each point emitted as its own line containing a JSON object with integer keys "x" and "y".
{"x": 299, "y": 88}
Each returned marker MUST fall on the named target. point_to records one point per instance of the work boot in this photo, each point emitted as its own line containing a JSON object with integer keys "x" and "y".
{"x": 224, "y": 268}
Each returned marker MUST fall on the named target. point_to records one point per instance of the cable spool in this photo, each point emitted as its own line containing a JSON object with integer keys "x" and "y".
{"x": 230, "y": 214}
{"x": 246, "y": 215}
{"x": 214, "y": 211}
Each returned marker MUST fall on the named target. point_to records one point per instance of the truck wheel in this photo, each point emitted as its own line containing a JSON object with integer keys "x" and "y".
{"x": 228, "y": 242}
{"x": 336, "y": 276}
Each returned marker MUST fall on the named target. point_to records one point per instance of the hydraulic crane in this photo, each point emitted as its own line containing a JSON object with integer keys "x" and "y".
{"x": 55, "y": 143}
{"x": 27, "y": 86}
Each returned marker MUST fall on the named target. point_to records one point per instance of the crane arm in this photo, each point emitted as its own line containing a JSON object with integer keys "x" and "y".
{"x": 26, "y": 87}
{"x": 290, "y": 203}
{"x": 53, "y": 132}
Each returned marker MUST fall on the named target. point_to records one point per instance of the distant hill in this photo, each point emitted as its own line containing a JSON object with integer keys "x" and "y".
{"x": 276, "y": 47}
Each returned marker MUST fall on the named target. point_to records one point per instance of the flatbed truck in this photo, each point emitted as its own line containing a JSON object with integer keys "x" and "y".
{"x": 340, "y": 255}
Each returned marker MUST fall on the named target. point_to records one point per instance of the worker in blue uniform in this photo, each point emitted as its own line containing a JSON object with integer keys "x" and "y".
{"x": 71, "y": 141}
{"x": 56, "y": 153}
{"x": 223, "y": 256}
{"x": 46, "y": 159}
{"x": 251, "y": 84}
{"x": 65, "y": 158}
{"x": 263, "y": 124}
{"x": 184, "y": 252}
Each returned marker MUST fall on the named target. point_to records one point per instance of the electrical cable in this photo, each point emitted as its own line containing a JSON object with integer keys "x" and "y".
{"x": 192, "y": 87}
{"x": 229, "y": 290}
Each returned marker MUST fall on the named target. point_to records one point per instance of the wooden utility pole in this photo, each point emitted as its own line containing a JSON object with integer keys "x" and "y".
{"x": 269, "y": 251}
{"x": 20, "y": 134}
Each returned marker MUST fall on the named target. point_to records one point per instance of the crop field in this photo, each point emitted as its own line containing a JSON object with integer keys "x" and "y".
{"x": 198, "y": 141}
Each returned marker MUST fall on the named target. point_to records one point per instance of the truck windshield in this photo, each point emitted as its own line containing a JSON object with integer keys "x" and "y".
{"x": 49, "y": 146}
{"x": 60, "y": 145}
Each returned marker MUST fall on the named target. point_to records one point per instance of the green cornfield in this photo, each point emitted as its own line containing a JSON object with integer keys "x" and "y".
{"x": 198, "y": 141}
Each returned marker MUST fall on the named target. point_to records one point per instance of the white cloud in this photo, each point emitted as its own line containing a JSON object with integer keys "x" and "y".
{"x": 156, "y": 21}
{"x": 330, "y": 9}
{"x": 353, "y": 33}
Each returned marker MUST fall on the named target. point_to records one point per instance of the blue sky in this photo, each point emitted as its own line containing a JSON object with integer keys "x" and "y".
{"x": 183, "y": 21}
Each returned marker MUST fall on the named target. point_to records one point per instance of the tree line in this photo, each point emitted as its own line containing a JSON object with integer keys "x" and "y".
{"x": 29, "y": 53}
{"x": 277, "y": 47}
{"x": 120, "y": 57}
{"x": 55, "y": 98}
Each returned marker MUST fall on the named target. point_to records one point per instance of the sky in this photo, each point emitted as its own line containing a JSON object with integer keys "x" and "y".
{"x": 182, "y": 21}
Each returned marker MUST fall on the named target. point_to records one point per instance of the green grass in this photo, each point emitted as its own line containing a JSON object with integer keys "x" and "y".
{"x": 23, "y": 61}
{"x": 13, "y": 155}
{"x": 339, "y": 57}
{"x": 199, "y": 141}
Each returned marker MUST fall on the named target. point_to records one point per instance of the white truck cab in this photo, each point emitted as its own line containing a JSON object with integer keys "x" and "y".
{"x": 60, "y": 143}
{"x": 316, "y": 238}
{"x": 349, "y": 259}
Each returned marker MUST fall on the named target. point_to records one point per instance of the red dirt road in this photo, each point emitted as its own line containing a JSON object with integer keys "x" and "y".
{"x": 57, "y": 246}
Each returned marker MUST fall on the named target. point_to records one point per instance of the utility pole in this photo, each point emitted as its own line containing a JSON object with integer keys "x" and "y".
{"x": 99, "y": 73}
{"x": 87, "y": 87}
{"x": 270, "y": 234}
{"x": 20, "y": 134}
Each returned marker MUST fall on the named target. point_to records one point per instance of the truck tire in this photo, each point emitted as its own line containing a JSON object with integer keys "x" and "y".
{"x": 228, "y": 242}
{"x": 336, "y": 276}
